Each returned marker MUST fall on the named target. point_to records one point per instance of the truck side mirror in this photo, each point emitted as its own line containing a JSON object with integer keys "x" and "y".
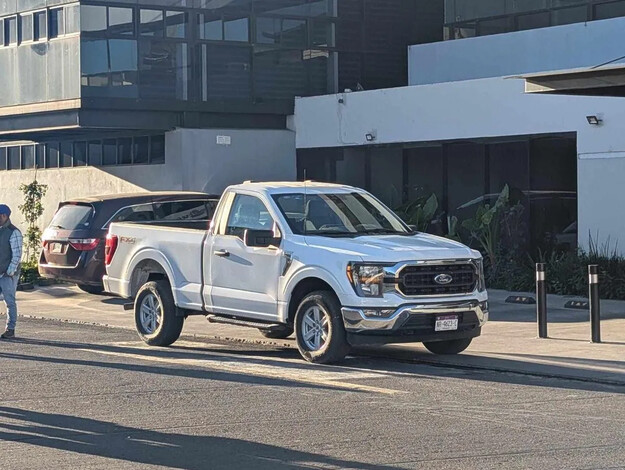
{"x": 260, "y": 238}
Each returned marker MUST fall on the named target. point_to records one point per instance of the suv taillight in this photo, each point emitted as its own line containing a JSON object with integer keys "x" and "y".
{"x": 111, "y": 246}
{"x": 84, "y": 244}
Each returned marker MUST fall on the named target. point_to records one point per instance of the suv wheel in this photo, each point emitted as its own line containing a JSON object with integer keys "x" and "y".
{"x": 155, "y": 314}
{"x": 453, "y": 346}
{"x": 96, "y": 290}
{"x": 319, "y": 329}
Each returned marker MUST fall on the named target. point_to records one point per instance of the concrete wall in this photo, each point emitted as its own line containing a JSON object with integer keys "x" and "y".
{"x": 491, "y": 107}
{"x": 193, "y": 162}
{"x": 538, "y": 50}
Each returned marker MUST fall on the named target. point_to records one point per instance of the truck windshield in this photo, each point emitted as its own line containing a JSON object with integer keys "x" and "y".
{"x": 338, "y": 214}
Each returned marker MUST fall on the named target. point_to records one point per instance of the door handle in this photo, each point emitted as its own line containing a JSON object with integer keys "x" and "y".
{"x": 222, "y": 253}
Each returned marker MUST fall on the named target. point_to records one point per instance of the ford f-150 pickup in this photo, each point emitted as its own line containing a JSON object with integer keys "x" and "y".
{"x": 328, "y": 262}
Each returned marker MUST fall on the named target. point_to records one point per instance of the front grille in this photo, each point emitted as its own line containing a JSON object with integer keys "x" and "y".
{"x": 419, "y": 280}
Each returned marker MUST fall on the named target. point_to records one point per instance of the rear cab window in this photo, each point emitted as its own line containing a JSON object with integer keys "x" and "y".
{"x": 184, "y": 210}
{"x": 73, "y": 217}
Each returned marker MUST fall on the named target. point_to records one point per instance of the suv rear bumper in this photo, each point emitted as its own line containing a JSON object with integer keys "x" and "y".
{"x": 414, "y": 323}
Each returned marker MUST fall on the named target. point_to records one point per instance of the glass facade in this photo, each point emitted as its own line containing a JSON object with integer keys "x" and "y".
{"x": 541, "y": 173}
{"x": 132, "y": 150}
{"x": 469, "y": 18}
{"x": 244, "y": 50}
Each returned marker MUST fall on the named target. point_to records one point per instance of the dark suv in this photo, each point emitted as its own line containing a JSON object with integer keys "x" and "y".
{"x": 74, "y": 242}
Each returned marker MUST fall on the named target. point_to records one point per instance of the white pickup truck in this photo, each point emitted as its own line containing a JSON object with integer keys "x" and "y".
{"x": 330, "y": 262}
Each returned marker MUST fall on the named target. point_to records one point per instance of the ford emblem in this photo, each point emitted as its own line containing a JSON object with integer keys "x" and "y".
{"x": 443, "y": 279}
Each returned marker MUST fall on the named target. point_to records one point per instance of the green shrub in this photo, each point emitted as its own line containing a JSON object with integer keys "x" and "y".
{"x": 29, "y": 273}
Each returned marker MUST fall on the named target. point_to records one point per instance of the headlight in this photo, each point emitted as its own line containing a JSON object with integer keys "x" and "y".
{"x": 481, "y": 281}
{"x": 368, "y": 280}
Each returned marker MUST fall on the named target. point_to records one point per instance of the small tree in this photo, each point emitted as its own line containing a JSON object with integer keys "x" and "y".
{"x": 32, "y": 209}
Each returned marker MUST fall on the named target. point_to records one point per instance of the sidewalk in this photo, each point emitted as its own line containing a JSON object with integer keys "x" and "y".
{"x": 508, "y": 343}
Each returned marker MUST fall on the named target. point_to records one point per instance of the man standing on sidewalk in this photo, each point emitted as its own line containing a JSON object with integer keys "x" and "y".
{"x": 10, "y": 258}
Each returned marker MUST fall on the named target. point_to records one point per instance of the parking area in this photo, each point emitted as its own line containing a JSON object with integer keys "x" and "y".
{"x": 508, "y": 343}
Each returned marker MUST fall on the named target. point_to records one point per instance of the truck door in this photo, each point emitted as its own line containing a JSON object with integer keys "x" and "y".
{"x": 244, "y": 279}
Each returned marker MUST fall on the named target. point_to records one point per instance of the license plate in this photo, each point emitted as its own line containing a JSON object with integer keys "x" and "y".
{"x": 56, "y": 247}
{"x": 446, "y": 323}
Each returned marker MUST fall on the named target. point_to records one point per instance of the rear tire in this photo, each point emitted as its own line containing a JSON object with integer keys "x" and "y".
{"x": 277, "y": 333}
{"x": 453, "y": 346}
{"x": 155, "y": 314}
{"x": 95, "y": 290}
{"x": 319, "y": 329}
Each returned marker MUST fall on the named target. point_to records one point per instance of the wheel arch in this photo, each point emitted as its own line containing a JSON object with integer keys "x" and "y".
{"x": 302, "y": 288}
{"x": 149, "y": 266}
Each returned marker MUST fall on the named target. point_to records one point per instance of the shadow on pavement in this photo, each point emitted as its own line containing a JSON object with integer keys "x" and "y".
{"x": 174, "y": 450}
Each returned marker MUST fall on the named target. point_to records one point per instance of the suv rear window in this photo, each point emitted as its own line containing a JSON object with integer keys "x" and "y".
{"x": 73, "y": 217}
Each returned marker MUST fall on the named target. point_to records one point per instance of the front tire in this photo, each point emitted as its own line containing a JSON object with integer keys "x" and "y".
{"x": 277, "y": 333}
{"x": 155, "y": 314}
{"x": 319, "y": 329}
{"x": 453, "y": 346}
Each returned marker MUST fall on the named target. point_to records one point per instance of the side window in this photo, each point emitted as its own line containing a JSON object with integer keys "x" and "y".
{"x": 141, "y": 213}
{"x": 184, "y": 210}
{"x": 248, "y": 212}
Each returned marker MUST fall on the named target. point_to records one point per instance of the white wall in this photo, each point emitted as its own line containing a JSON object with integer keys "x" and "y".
{"x": 193, "y": 161}
{"x": 537, "y": 50}
{"x": 484, "y": 108}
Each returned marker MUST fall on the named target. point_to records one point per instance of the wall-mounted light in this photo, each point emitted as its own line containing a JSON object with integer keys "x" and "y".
{"x": 594, "y": 120}
{"x": 370, "y": 136}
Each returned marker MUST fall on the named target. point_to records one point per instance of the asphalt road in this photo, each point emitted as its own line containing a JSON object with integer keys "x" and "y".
{"x": 80, "y": 396}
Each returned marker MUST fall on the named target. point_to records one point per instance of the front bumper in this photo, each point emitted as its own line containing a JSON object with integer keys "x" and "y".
{"x": 415, "y": 322}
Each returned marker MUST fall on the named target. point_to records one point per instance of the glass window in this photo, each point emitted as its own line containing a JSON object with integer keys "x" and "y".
{"x": 93, "y": 18}
{"x": 80, "y": 153}
{"x": 109, "y": 155}
{"x": 268, "y": 30}
{"x": 73, "y": 217}
{"x": 95, "y": 62}
{"x": 533, "y": 21}
{"x": 176, "y": 24}
{"x": 28, "y": 157}
{"x": 237, "y": 30}
{"x": 151, "y": 23}
{"x": 57, "y": 23}
{"x": 157, "y": 149}
{"x": 3, "y": 158}
{"x": 95, "y": 153}
{"x": 72, "y": 19}
{"x": 495, "y": 26}
{"x": 226, "y": 72}
{"x": 139, "y": 213}
{"x": 248, "y": 212}
{"x": 424, "y": 173}
{"x": 141, "y": 149}
{"x": 210, "y": 28}
{"x": 40, "y": 155}
{"x": 121, "y": 21}
{"x": 466, "y": 178}
{"x": 569, "y": 15}
{"x": 184, "y": 210}
{"x": 27, "y": 28}
{"x": 163, "y": 70}
{"x": 40, "y": 25}
{"x": 609, "y": 10}
{"x": 10, "y": 31}
{"x": 65, "y": 159}
{"x": 123, "y": 60}
{"x": 279, "y": 74}
{"x": 13, "y": 158}
{"x": 124, "y": 151}
{"x": 53, "y": 155}
{"x": 293, "y": 33}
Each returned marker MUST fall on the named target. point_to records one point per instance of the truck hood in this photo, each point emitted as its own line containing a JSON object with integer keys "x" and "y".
{"x": 394, "y": 248}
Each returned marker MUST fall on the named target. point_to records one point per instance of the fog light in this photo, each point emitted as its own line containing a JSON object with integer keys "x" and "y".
{"x": 378, "y": 313}
{"x": 484, "y": 306}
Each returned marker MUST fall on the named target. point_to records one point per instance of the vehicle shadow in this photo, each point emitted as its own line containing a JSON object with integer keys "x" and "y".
{"x": 172, "y": 450}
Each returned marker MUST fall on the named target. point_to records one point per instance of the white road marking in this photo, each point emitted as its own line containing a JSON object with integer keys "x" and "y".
{"x": 336, "y": 377}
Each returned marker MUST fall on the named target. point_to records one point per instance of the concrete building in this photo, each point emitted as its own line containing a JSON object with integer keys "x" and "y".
{"x": 528, "y": 94}
{"x": 101, "y": 96}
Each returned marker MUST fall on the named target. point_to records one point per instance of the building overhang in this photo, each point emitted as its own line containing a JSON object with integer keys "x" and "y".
{"x": 603, "y": 81}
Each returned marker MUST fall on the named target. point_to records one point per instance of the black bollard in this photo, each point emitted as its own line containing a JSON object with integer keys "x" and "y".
{"x": 541, "y": 300}
{"x": 593, "y": 301}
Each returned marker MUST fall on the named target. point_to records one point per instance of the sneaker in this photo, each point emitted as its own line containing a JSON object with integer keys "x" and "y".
{"x": 8, "y": 334}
